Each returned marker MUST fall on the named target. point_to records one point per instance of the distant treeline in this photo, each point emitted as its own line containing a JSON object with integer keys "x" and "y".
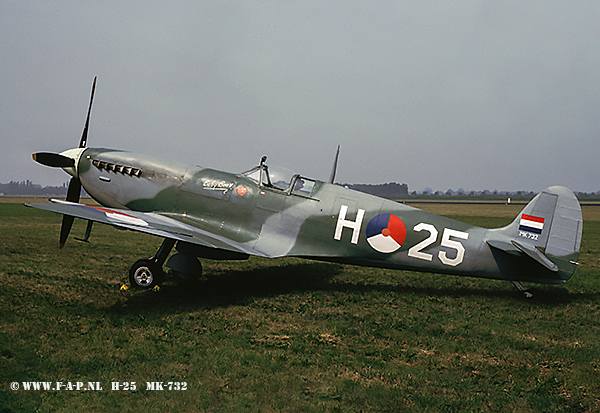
{"x": 391, "y": 190}
{"x": 29, "y": 188}
{"x": 394, "y": 190}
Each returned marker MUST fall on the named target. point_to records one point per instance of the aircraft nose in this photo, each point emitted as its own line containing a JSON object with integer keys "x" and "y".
{"x": 74, "y": 154}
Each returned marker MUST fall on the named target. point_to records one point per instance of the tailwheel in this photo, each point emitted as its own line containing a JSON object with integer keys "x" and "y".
{"x": 145, "y": 274}
{"x": 522, "y": 289}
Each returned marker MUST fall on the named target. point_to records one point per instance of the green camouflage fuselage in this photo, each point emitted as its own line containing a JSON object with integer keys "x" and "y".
{"x": 318, "y": 221}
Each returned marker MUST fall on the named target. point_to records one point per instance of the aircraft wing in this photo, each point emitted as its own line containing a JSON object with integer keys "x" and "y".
{"x": 146, "y": 222}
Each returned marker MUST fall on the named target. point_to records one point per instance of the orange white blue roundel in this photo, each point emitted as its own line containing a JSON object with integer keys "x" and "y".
{"x": 386, "y": 233}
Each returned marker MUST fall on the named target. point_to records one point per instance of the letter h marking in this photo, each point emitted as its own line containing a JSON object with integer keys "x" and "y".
{"x": 354, "y": 225}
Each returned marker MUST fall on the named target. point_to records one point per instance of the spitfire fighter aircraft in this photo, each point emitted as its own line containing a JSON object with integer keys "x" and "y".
{"x": 273, "y": 212}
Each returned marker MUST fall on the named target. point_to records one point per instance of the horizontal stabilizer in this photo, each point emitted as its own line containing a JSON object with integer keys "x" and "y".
{"x": 536, "y": 255}
{"x": 504, "y": 246}
{"x": 516, "y": 248}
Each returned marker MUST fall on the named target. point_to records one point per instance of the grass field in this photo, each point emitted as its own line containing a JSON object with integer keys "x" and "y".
{"x": 289, "y": 335}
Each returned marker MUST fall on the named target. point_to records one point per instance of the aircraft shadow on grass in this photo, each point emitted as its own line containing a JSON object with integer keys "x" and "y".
{"x": 244, "y": 286}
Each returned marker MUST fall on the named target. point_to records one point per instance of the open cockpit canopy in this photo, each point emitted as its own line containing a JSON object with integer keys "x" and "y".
{"x": 280, "y": 178}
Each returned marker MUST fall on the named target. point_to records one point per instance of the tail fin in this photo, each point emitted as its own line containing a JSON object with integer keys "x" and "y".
{"x": 548, "y": 231}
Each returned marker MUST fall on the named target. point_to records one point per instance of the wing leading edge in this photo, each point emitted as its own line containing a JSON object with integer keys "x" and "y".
{"x": 148, "y": 223}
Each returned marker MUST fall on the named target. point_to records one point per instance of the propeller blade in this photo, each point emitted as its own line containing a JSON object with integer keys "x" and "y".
{"x": 67, "y": 222}
{"x": 74, "y": 190}
{"x": 55, "y": 160}
{"x": 83, "y": 142}
{"x": 65, "y": 228}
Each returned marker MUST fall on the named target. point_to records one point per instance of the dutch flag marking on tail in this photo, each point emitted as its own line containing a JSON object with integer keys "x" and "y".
{"x": 530, "y": 223}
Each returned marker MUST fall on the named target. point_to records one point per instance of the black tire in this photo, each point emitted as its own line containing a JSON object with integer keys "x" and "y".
{"x": 185, "y": 269}
{"x": 145, "y": 274}
{"x": 187, "y": 278}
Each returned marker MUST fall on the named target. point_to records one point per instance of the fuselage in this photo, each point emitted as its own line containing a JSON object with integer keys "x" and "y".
{"x": 302, "y": 217}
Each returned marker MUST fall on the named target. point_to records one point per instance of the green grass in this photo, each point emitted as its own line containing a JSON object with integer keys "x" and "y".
{"x": 288, "y": 335}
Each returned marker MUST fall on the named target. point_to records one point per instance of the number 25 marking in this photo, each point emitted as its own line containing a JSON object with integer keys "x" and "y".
{"x": 417, "y": 250}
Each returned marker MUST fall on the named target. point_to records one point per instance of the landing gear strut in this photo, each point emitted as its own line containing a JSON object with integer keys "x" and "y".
{"x": 147, "y": 273}
{"x": 522, "y": 289}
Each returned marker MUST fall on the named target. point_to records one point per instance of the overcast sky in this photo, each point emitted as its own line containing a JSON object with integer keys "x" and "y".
{"x": 476, "y": 95}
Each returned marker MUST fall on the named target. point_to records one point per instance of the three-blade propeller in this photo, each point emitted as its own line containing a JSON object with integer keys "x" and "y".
{"x": 57, "y": 160}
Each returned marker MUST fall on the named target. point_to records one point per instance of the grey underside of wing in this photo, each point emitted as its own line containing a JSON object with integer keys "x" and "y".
{"x": 149, "y": 223}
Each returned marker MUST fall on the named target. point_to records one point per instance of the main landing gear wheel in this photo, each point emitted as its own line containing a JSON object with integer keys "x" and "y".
{"x": 146, "y": 274}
